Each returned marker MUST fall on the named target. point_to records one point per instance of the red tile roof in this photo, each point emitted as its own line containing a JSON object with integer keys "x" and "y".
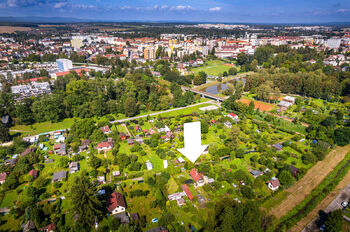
{"x": 232, "y": 114}
{"x": 33, "y": 173}
{"x": 78, "y": 71}
{"x": 105, "y": 129}
{"x": 56, "y": 146}
{"x": 3, "y": 176}
{"x": 187, "y": 191}
{"x": 115, "y": 200}
{"x": 104, "y": 144}
{"x": 195, "y": 175}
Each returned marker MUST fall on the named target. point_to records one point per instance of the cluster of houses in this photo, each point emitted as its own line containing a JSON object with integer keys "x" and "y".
{"x": 34, "y": 89}
{"x": 197, "y": 181}
{"x": 286, "y": 103}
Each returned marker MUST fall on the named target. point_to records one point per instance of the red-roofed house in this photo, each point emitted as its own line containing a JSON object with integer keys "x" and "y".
{"x": 104, "y": 146}
{"x": 34, "y": 173}
{"x": 233, "y": 116}
{"x": 3, "y": 176}
{"x": 187, "y": 191}
{"x": 197, "y": 177}
{"x": 62, "y": 74}
{"x": 49, "y": 228}
{"x": 116, "y": 203}
{"x": 105, "y": 129}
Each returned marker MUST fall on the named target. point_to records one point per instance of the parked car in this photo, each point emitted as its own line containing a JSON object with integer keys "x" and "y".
{"x": 344, "y": 204}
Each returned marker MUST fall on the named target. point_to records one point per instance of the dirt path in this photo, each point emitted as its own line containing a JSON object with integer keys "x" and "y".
{"x": 322, "y": 205}
{"x": 311, "y": 180}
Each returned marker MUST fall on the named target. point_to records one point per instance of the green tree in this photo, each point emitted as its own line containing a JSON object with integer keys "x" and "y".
{"x": 131, "y": 107}
{"x": 85, "y": 202}
{"x": 4, "y": 133}
{"x": 285, "y": 177}
{"x": 334, "y": 221}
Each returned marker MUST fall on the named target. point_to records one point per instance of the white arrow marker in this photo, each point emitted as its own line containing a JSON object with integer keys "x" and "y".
{"x": 193, "y": 142}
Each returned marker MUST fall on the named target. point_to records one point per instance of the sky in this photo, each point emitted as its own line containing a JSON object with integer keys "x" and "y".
{"x": 249, "y": 11}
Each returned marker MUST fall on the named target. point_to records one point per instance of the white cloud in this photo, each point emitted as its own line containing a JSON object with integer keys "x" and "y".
{"x": 215, "y": 9}
{"x": 82, "y": 6}
{"x": 342, "y": 10}
{"x": 59, "y": 5}
{"x": 180, "y": 7}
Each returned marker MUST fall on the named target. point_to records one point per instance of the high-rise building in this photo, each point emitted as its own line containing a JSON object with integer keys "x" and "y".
{"x": 64, "y": 64}
{"x": 77, "y": 42}
{"x": 150, "y": 53}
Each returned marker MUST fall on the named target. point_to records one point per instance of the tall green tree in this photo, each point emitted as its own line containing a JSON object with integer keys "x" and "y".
{"x": 85, "y": 202}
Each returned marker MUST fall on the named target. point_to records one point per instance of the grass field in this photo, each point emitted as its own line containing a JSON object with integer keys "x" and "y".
{"x": 213, "y": 68}
{"x": 185, "y": 111}
{"x": 42, "y": 127}
{"x": 299, "y": 191}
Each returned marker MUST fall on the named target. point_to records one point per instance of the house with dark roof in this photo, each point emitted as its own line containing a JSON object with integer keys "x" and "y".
{"x": 59, "y": 176}
{"x": 277, "y": 146}
{"x": 135, "y": 217}
{"x": 294, "y": 170}
{"x": 124, "y": 218}
{"x": 11, "y": 162}
{"x": 27, "y": 151}
{"x": 73, "y": 167}
{"x": 116, "y": 203}
{"x": 256, "y": 173}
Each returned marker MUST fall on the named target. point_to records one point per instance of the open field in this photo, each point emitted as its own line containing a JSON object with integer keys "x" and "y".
{"x": 322, "y": 205}
{"x": 213, "y": 68}
{"x": 42, "y": 127}
{"x": 224, "y": 80}
{"x": 9, "y": 29}
{"x": 299, "y": 191}
{"x": 258, "y": 105}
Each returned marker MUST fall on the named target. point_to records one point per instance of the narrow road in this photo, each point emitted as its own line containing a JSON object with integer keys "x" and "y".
{"x": 161, "y": 112}
{"x": 301, "y": 189}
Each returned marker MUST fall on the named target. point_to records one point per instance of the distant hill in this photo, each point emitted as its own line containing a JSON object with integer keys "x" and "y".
{"x": 42, "y": 20}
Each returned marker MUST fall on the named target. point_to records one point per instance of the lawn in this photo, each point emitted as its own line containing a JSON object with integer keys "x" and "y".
{"x": 185, "y": 111}
{"x": 9, "y": 199}
{"x": 214, "y": 68}
{"x": 42, "y": 127}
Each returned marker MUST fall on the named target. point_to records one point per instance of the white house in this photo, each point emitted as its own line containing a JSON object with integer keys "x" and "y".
{"x": 233, "y": 116}
{"x": 273, "y": 184}
{"x": 149, "y": 165}
{"x": 116, "y": 203}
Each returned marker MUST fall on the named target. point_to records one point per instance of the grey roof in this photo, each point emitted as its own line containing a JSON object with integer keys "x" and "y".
{"x": 124, "y": 218}
{"x": 59, "y": 175}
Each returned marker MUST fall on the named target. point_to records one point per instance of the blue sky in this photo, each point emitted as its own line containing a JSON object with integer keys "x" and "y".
{"x": 259, "y": 11}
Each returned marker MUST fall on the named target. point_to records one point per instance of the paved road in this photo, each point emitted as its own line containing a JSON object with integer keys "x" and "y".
{"x": 344, "y": 195}
{"x": 161, "y": 112}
